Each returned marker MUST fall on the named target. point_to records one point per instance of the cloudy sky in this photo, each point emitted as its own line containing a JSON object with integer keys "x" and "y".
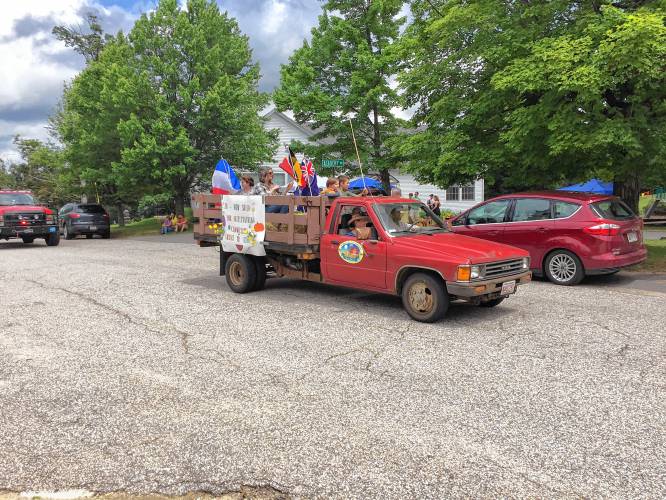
{"x": 34, "y": 66}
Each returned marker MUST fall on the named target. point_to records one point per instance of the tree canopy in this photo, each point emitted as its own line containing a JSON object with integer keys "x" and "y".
{"x": 528, "y": 94}
{"x": 156, "y": 109}
{"x": 346, "y": 72}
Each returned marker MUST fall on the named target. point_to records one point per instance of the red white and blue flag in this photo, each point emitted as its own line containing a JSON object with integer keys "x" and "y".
{"x": 309, "y": 186}
{"x": 224, "y": 179}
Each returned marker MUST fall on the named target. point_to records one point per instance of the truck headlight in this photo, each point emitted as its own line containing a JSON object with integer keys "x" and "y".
{"x": 464, "y": 273}
{"x": 526, "y": 262}
{"x": 468, "y": 273}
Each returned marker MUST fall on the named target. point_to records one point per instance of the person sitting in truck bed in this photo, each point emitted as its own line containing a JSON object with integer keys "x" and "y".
{"x": 332, "y": 187}
{"x": 343, "y": 183}
{"x": 267, "y": 188}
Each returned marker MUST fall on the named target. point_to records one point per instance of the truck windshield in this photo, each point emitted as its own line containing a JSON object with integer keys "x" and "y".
{"x": 408, "y": 218}
{"x": 11, "y": 199}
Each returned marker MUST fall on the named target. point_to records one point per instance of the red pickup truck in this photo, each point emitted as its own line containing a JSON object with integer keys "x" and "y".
{"x": 386, "y": 245}
{"x": 21, "y": 217}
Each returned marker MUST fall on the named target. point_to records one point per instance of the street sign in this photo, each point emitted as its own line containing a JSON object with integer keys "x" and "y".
{"x": 332, "y": 163}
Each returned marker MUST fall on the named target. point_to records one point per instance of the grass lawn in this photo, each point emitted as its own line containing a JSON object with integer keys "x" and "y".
{"x": 643, "y": 203}
{"x": 656, "y": 261}
{"x": 141, "y": 228}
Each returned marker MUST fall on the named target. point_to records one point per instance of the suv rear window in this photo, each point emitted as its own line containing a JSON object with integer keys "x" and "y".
{"x": 612, "y": 209}
{"x": 91, "y": 209}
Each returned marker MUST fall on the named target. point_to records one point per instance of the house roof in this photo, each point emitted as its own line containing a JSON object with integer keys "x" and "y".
{"x": 274, "y": 112}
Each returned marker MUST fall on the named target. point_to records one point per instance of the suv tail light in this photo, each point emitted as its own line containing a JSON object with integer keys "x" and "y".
{"x": 604, "y": 229}
{"x": 74, "y": 216}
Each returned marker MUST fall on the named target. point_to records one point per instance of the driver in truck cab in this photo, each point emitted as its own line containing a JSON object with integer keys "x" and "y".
{"x": 396, "y": 220}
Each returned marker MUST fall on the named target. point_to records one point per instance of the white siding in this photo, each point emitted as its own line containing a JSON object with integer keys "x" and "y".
{"x": 409, "y": 185}
{"x": 287, "y": 133}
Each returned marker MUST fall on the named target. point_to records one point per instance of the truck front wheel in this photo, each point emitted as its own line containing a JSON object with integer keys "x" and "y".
{"x": 241, "y": 273}
{"x": 53, "y": 239}
{"x": 424, "y": 298}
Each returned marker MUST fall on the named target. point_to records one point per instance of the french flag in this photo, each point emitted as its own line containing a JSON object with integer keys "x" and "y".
{"x": 224, "y": 179}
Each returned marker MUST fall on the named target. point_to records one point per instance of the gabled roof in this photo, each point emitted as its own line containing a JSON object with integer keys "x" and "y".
{"x": 307, "y": 131}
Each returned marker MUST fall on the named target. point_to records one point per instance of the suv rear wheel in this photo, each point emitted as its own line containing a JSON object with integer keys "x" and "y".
{"x": 67, "y": 233}
{"x": 564, "y": 268}
{"x": 424, "y": 298}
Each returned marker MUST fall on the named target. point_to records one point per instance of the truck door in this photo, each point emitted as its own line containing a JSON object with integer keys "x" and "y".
{"x": 348, "y": 259}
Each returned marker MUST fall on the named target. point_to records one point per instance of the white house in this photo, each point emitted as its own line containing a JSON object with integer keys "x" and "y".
{"x": 455, "y": 198}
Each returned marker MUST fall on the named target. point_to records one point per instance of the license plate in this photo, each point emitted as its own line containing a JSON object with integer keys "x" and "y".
{"x": 52, "y": 229}
{"x": 93, "y": 228}
{"x": 632, "y": 237}
{"x": 27, "y": 231}
{"x": 508, "y": 287}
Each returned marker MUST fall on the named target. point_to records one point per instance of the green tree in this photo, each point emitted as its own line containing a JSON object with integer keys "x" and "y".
{"x": 106, "y": 94}
{"x": 204, "y": 99}
{"x": 596, "y": 98}
{"x": 5, "y": 178}
{"x": 467, "y": 71}
{"x": 89, "y": 44}
{"x": 346, "y": 73}
{"x": 40, "y": 170}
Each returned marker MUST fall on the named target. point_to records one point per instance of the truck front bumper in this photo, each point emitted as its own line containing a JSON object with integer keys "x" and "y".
{"x": 486, "y": 289}
{"x": 40, "y": 231}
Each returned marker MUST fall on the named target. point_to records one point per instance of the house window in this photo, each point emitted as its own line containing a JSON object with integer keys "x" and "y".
{"x": 468, "y": 192}
{"x": 453, "y": 193}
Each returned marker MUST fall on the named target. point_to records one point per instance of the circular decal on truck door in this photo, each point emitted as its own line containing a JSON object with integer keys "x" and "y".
{"x": 351, "y": 251}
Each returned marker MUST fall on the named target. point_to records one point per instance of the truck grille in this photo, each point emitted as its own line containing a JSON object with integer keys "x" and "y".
{"x": 25, "y": 219}
{"x": 504, "y": 268}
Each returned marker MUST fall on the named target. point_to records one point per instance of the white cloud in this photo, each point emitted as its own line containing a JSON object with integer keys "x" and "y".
{"x": 275, "y": 17}
{"x": 35, "y": 65}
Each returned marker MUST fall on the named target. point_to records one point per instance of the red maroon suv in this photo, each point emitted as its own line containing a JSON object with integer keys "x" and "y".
{"x": 569, "y": 235}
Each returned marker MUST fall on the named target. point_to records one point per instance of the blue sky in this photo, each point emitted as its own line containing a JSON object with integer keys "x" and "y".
{"x": 39, "y": 65}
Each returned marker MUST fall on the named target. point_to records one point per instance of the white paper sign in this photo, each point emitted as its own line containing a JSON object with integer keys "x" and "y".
{"x": 244, "y": 224}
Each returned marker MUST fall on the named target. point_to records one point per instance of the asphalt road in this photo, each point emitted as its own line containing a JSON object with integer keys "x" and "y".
{"x": 128, "y": 366}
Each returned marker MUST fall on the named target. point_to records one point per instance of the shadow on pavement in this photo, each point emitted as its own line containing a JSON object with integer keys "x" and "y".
{"x": 347, "y": 299}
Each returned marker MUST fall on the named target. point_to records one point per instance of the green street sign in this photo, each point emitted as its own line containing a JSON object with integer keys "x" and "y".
{"x": 332, "y": 163}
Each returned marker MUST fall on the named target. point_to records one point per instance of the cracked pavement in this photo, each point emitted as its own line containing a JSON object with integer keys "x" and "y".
{"x": 129, "y": 366}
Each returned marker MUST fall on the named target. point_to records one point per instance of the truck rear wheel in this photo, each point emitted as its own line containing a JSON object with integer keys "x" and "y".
{"x": 241, "y": 273}
{"x": 424, "y": 298}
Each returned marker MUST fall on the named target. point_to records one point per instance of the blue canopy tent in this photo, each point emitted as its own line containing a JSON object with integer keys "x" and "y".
{"x": 370, "y": 183}
{"x": 591, "y": 186}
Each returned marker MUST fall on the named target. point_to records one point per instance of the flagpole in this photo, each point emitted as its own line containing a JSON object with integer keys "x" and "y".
{"x": 358, "y": 157}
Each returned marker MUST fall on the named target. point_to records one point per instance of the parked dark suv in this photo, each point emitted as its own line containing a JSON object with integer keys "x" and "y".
{"x": 84, "y": 218}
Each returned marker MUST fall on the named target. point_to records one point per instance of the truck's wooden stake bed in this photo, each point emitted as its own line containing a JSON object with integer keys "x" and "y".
{"x": 379, "y": 244}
